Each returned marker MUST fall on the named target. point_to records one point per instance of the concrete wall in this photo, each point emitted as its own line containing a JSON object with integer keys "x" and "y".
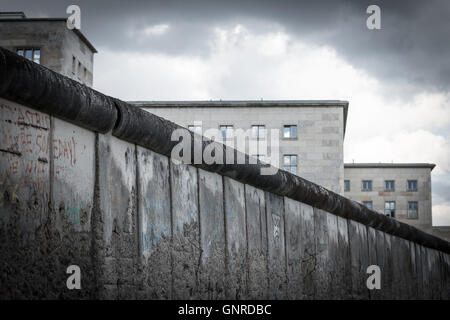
{"x": 400, "y": 195}
{"x": 320, "y": 132}
{"x": 140, "y": 226}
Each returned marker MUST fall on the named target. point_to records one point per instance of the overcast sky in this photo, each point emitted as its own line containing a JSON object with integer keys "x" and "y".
{"x": 397, "y": 79}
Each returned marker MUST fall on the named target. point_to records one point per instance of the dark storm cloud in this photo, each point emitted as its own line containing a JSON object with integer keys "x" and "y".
{"x": 413, "y": 46}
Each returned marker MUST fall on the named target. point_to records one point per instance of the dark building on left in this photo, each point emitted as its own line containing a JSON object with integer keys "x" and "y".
{"x": 49, "y": 42}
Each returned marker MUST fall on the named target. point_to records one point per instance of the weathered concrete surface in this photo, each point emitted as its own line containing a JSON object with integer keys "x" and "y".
{"x": 343, "y": 260}
{"x": 236, "y": 240}
{"x": 257, "y": 243}
{"x": 73, "y": 155}
{"x": 212, "y": 236}
{"x": 331, "y": 262}
{"x": 146, "y": 228}
{"x": 357, "y": 235}
{"x": 419, "y": 270}
{"x": 276, "y": 247}
{"x": 426, "y": 274}
{"x": 186, "y": 232}
{"x": 415, "y": 275}
{"x": 401, "y": 268}
{"x": 373, "y": 257}
{"x": 387, "y": 281}
{"x": 435, "y": 274}
{"x": 72, "y": 196}
{"x": 154, "y": 223}
{"x": 377, "y": 256}
{"x": 309, "y": 259}
{"x": 300, "y": 249}
{"x": 294, "y": 248}
{"x": 445, "y": 258}
{"x": 35, "y": 248}
{"x": 24, "y": 196}
{"x": 118, "y": 211}
{"x": 326, "y": 243}
{"x": 322, "y": 278}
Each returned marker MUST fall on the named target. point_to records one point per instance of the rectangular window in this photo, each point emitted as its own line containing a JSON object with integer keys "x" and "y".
{"x": 366, "y": 185}
{"x": 259, "y": 132}
{"x": 412, "y": 185}
{"x": 195, "y": 129}
{"x": 389, "y": 185}
{"x": 226, "y": 131}
{"x": 85, "y": 75}
{"x": 413, "y": 210}
{"x": 346, "y": 185}
{"x": 290, "y": 132}
{"x": 74, "y": 66}
{"x": 389, "y": 209}
{"x": 30, "y": 54}
{"x": 79, "y": 71}
{"x": 290, "y": 163}
{"x": 368, "y": 204}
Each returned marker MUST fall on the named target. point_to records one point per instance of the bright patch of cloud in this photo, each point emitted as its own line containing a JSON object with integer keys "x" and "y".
{"x": 441, "y": 216}
{"x": 156, "y": 30}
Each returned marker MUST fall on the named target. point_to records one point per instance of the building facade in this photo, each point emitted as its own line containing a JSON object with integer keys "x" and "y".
{"x": 401, "y": 191}
{"x": 49, "y": 42}
{"x": 310, "y": 133}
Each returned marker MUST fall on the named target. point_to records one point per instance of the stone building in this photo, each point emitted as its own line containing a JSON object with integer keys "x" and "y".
{"x": 311, "y": 133}
{"x": 399, "y": 190}
{"x": 49, "y": 42}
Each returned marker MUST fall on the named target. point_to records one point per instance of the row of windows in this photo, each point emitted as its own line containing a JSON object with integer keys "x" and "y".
{"x": 32, "y": 54}
{"x": 289, "y": 162}
{"x": 258, "y": 131}
{"x": 389, "y": 185}
{"x": 389, "y": 208}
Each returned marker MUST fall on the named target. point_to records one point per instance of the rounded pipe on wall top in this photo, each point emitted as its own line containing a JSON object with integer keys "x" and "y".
{"x": 33, "y": 85}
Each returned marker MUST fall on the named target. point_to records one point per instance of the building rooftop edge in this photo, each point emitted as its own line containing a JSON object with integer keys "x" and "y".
{"x": 244, "y": 104}
{"x": 236, "y": 103}
{"x": 77, "y": 32}
{"x": 390, "y": 165}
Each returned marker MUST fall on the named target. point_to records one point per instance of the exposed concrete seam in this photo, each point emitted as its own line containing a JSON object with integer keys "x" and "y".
{"x": 138, "y": 207}
{"x": 200, "y": 256}
{"x": 350, "y": 257}
{"x": 51, "y": 164}
{"x": 267, "y": 246}
{"x": 96, "y": 219}
{"x": 225, "y": 233}
{"x": 169, "y": 167}
{"x": 285, "y": 249}
{"x": 368, "y": 254}
{"x": 247, "y": 253}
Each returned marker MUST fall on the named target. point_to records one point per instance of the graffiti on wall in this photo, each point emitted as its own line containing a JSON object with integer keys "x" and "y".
{"x": 24, "y": 148}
